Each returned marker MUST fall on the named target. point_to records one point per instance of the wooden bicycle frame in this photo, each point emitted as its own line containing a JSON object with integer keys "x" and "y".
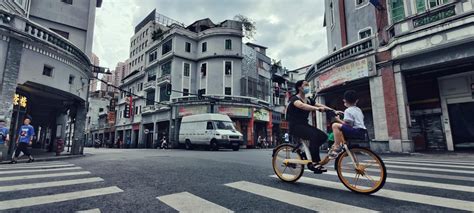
{"x": 322, "y": 162}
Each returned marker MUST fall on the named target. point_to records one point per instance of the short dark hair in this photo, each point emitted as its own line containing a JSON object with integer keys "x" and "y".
{"x": 298, "y": 85}
{"x": 2, "y": 120}
{"x": 27, "y": 117}
{"x": 350, "y": 96}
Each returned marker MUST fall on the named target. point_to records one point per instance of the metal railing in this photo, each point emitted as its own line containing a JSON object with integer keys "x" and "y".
{"x": 349, "y": 51}
{"x": 163, "y": 79}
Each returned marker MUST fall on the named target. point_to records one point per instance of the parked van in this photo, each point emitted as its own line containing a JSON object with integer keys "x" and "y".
{"x": 213, "y": 130}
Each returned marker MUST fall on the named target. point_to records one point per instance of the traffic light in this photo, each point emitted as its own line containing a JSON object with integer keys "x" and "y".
{"x": 168, "y": 89}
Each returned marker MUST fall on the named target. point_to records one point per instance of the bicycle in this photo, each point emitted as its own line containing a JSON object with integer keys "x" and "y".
{"x": 351, "y": 165}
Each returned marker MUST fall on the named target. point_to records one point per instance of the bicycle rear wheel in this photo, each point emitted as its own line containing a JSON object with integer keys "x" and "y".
{"x": 367, "y": 176}
{"x": 289, "y": 172}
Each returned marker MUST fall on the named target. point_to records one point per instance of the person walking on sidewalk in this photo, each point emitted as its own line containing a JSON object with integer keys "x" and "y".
{"x": 24, "y": 139}
{"x": 4, "y": 138}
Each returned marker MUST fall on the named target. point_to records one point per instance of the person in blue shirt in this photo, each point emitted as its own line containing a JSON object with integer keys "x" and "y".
{"x": 25, "y": 138}
{"x": 4, "y": 138}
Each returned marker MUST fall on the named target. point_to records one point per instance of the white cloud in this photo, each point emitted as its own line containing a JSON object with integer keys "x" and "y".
{"x": 292, "y": 31}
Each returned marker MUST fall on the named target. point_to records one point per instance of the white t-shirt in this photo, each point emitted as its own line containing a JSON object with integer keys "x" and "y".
{"x": 353, "y": 116}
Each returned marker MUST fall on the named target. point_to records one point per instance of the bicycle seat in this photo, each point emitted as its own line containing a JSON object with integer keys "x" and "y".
{"x": 360, "y": 142}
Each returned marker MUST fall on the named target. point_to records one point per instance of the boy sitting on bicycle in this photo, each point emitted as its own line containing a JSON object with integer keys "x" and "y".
{"x": 351, "y": 127}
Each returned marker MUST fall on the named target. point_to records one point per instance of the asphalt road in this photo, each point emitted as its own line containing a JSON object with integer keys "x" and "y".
{"x": 112, "y": 180}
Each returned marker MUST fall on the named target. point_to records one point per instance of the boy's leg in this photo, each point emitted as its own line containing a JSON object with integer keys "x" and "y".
{"x": 338, "y": 136}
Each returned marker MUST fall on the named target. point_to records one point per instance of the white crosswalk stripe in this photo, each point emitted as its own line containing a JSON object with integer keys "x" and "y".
{"x": 47, "y": 199}
{"x": 444, "y": 186}
{"x": 430, "y": 161}
{"x": 39, "y": 170}
{"x": 398, "y": 195}
{"x": 304, "y": 201}
{"x": 429, "y": 169}
{"x": 38, "y": 167}
{"x": 40, "y": 173}
{"x": 187, "y": 202}
{"x": 89, "y": 211}
{"x": 427, "y": 164}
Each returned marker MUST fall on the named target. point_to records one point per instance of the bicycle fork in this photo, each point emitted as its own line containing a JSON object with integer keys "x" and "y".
{"x": 350, "y": 155}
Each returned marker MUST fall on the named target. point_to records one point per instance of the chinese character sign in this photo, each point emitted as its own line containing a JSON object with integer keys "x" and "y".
{"x": 20, "y": 100}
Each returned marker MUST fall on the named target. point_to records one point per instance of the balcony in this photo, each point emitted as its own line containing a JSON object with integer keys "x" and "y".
{"x": 348, "y": 51}
{"x": 150, "y": 85}
{"x": 164, "y": 79}
{"x": 148, "y": 109}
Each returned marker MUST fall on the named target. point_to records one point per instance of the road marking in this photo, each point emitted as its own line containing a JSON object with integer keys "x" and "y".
{"x": 89, "y": 211}
{"x": 47, "y": 199}
{"x": 49, "y": 184}
{"x": 417, "y": 183}
{"x": 427, "y": 164}
{"x": 38, "y": 167}
{"x": 26, "y": 177}
{"x": 38, "y": 170}
{"x": 396, "y": 195}
{"x": 187, "y": 202}
{"x": 44, "y": 163}
{"x": 430, "y": 169}
{"x": 424, "y": 160}
{"x": 300, "y": 200}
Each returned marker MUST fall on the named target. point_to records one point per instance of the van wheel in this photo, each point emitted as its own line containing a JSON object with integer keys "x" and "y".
{"x": 188, "y": 145}
{"x": 236, "y": 148}
{"x": 213, "y": 145}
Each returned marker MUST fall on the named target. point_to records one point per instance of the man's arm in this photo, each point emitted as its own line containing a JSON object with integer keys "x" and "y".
{"x": 299, "y": 104}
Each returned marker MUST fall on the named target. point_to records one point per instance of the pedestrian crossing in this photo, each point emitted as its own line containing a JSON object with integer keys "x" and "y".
{"x": 56, "y": 177}
{"x": 410, "y": 182}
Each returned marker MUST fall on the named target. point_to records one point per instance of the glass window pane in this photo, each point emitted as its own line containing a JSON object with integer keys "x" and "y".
{"x": 420, "y": 6}
{"x": 397, "y": 10}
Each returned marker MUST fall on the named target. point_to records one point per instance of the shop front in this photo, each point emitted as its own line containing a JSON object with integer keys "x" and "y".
{"x": 262, "y": 126}
{"x": 240, "y": 115}
{"x": 331, "y": 85}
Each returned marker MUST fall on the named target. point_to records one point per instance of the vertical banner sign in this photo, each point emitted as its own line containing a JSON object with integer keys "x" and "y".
{"x": 131, "y": 107}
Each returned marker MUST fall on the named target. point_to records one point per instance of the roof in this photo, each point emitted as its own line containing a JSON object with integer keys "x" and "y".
{"x": 256, "y": 45}
{"x": 130, "y": 75}
{"x": 303, "y": 67}
{"x": 206, "y": 117}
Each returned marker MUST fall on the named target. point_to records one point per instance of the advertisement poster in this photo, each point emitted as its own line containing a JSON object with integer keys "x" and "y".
{"x": 348, "y": 72}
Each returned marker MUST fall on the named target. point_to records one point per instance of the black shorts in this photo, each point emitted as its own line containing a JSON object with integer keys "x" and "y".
{"x": 22, "y": 147}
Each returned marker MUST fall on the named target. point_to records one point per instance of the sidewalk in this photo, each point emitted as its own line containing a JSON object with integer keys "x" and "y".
{"x": 43, "y": 155}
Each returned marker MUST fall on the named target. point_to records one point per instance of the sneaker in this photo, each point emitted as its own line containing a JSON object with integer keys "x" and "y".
{"x": 333, "y": 153}
{"x": 13, "y": 162}
{"x": 319, "y": 169}
{"x": 31, "y": 160}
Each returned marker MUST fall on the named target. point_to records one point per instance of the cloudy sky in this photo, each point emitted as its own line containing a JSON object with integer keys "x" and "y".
{"x": 292, "y": 30}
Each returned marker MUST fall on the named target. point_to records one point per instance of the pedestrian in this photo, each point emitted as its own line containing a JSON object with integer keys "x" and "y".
{"x": 25, "y": 138}
{"x": 259, "y": 142}
{"x": 164, "y": 143}
{"x": 4, "y": 138}
{"x": 287, "y": 137}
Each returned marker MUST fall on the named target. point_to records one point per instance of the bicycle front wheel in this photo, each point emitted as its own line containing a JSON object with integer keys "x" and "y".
{"x": 288, "y": 172}
{"x": 366, "y": 174}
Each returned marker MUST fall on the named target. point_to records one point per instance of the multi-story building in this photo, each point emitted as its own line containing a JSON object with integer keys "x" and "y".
{"x": 202, "y": 59}
{"x": 94, "y": 83}
{"x": 410, "y": 62}
{"x": 45, "y": 50}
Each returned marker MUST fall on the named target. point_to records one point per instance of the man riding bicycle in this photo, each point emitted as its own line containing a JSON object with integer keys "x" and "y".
{"x": 297, "y": 113}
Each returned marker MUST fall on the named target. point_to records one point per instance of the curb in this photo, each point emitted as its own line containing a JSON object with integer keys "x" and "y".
{"x": 54, "y": 158}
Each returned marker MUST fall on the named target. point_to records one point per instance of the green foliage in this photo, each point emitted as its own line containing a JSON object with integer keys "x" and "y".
{"x": 248, "y": 24}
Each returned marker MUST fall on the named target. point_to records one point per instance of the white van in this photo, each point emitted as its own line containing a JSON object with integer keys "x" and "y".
{"x": 213, "y": 130}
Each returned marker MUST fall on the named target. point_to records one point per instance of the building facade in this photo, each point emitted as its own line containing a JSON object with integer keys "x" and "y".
{"x": 200, "y": 68}
{"x": 45, "y": 71}
{"x": 410, "y": 63}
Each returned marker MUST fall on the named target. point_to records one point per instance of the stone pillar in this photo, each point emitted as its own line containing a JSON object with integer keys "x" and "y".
{"x": 403, "y": 111}
{"x": 8, "y": 84}
{"x": 79, "y": 130}
{"x": 381, "y": 141}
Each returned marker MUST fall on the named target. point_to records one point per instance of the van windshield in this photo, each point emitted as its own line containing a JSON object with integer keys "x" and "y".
{"x": 225, "y": 125}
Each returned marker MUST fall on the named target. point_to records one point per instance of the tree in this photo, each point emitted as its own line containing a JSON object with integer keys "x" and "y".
{"x": 157, "y": 34}
{"x": 249, "y": 25}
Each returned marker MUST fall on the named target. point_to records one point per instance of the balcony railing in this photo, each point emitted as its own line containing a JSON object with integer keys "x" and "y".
{"x": 349, "y": 51}
{"x": 148, "y": 109}
{"x": 163, "y": 79}
{"x": 150, "y": 85}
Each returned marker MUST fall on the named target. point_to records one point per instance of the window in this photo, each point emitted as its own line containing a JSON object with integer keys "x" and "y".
{"x": 185, "y": 92}
{"x": 71, "y": 79}
{"x": 228, "y": 44}
{"x": 48, "y": 71}
{"x": 163, "y": 95}
{"x": 101, "y": 109}
{"x": 331, "y": 6}
{"x": 186, "y": 69}
{"x": 397, "y": 10}
{"x": 228, "y": 68}
{"x": 435, "y": 3}
{"x": 146, "y": 42}
{"x": 140, "y": 109}
{"x": 166, "y": 68}
{"x": 204, "y": 46}
{"x": 150, "y": 98}
{"x": 61, "y": 33}
{"x": 365, "y": 33}
{"x": 167, "y": 46}
{"x": 228, "y": 91}
{"x": 187, "y": 47}
{"x": 260, "y": 63}
{"x": 67, "y": 1}
{"x": 152, "y": 56}
{"x": 203, "y": 69}
{"x": 151, "y": 75}
{"x": 201, "y": 92}
{"x": 209, "y": 125}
